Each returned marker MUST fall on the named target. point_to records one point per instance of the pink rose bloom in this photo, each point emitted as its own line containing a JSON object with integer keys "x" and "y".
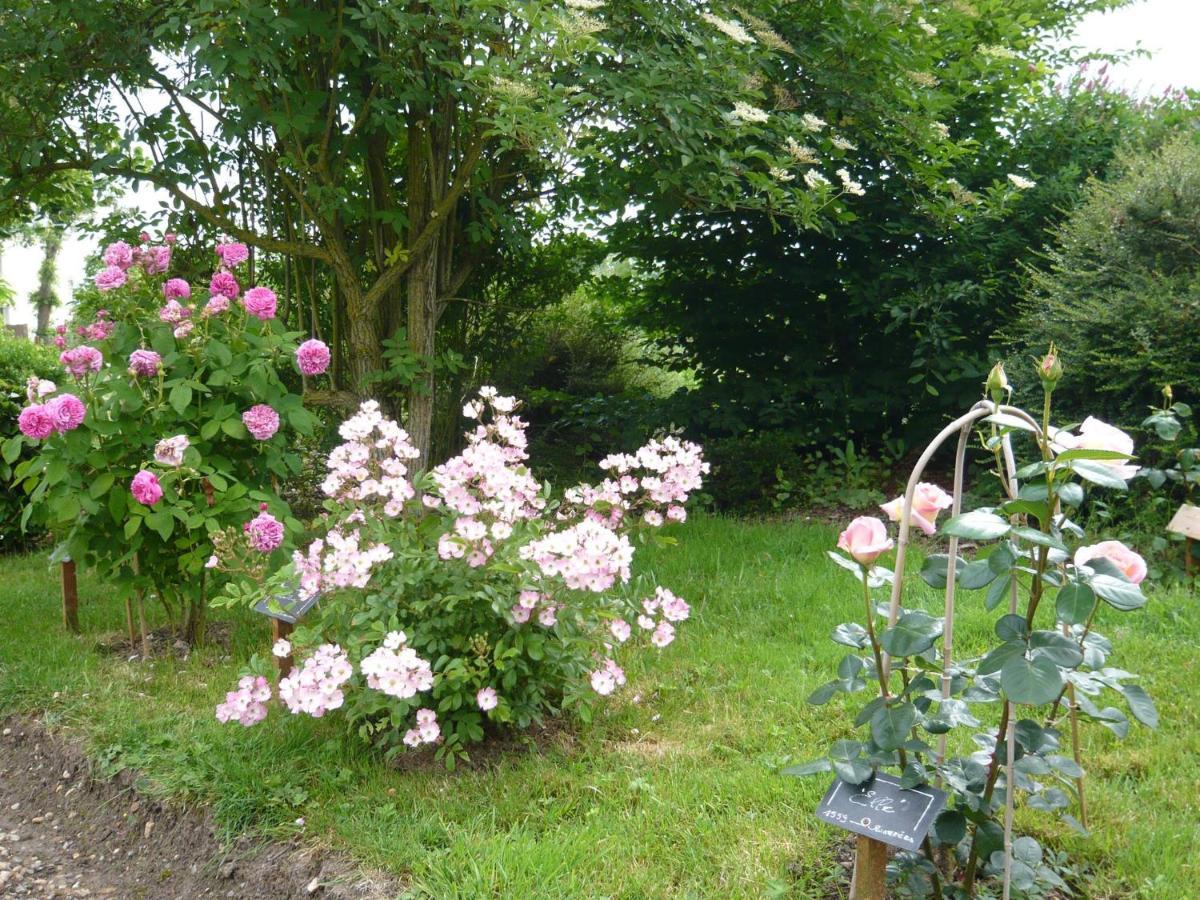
{"x": 264, "y": 531}
{"x": 232, "y": 255}
{"x": 144, "y": 362}
{"x": 261, "y": 421}
{"x": 37, "y": 422}
{"x": 183, "y": 329}
{"x": 118, "y": 254}
{"x": 1131, "y": 564}
{"x": 865, "y": 539}
{"x": 260, "y": 303}
{"x": 928, "y": 501}
{"x": 81, "y": 360}
{"x": 487, "y": 699}
{"x": 110, "y": 278}
{"x": 145, "y": 488}
{"x": 176, "y": 288}
{"x": 620, "y": 630}
{"x": 216, "y": 305}
{"x": 312, "y": 356}
{"x": 68, "y": 412}
{"x": 225, "y": 284}
{"x": 170, "y": 238}
{"x": 173, "y": 312}
{"x": 169, "y": 451}
{"x": 154, "y": 260}
{"x": 1097, "y": 435}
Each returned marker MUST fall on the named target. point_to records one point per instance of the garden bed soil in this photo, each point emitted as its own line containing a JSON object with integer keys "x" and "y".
{"x": 65, "y": 833}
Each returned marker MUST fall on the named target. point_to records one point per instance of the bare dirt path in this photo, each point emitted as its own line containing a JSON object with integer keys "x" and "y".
{"x": 64, "y": 834}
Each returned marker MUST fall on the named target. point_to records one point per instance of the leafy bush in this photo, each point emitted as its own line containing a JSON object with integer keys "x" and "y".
{"x": 468, "y": 594}
{"x": 1120, "y": 293}
{"x": 19, "y": 361}
{"x": 178, "y": 431}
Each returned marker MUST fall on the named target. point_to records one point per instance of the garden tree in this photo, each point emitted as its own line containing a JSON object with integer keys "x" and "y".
{"x": 398, "y": 146}
{"x": 818, "y": 330}
{"x": 1118, "y": 290}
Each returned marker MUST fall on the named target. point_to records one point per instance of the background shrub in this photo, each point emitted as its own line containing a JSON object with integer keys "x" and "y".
{"x": 1120, "y": 290}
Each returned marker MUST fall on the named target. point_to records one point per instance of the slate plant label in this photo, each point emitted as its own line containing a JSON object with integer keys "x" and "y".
{"x": 287, "y": 607}
{"x": 880, "y": 809}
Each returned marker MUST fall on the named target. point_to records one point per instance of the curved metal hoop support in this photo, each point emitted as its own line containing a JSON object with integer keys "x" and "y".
{"x": 963, "y": 426}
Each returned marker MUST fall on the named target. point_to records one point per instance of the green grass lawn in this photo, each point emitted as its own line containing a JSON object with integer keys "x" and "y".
{"x": 672, "y": 791}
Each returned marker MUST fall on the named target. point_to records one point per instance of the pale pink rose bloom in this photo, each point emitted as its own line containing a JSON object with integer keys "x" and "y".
{"x": 487, "y": 699}
{"x": 865, "y": 539}
{"x": 1130, "y": 563}
{"x": 1097, "y": 435}
{"x": 169, "y": 451}
{"x": 928, "y": 501}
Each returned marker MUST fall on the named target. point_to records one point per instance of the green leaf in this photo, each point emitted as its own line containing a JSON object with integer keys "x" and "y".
{"x": 950, "y": 827}
{"x": 1118, "y": 593}
{"x": 1033, "y": 682}
{"x": 1140, "y": 705}
{"x": 12, "y": 448}
{"x": 976, "y": 525}
{"x": 914, "y": 775}
{"x": 180, "y": 398}
{"x": 891, "y": 725}
{"x": 997, "y": 592}
{"x": 101, "y": 484}
{"x": 996, "y": 659}
{"x": 851, "y": 634}
{"x": 913, "y": 633}
{"x": 1099, "y": 474}
{"x": 1071, "y": 493}
{"x": 1039, "y": 537}
{"x": 1056, "y": 647}
{"x": 1012, "y": 627}
{"x": 976, "y": 575}
{"x": 933, "y": 570}
{"x": 847, "y": 761}
{"x": 1084, "y": 453}
{"x": 1074, "y": 603}
{"x": 235, "y": 429}
{"x": 209, "y": 429}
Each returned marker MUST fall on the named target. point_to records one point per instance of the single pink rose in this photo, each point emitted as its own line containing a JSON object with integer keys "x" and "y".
{"x": 225, "y": 284}
{"x": 145, "y": 488}
{"x": 232, "y": 255}
{"x": 928, "y": 501}
{"x": 176, "y": 289}
{"x": 118, "y": 254}
{"x": 1130, "y": 563}
{"x": 260, "y": 302}
{"x": 110, "y": 278}
{"x": 146, "y": 363}
{"x": 261, "y": 421}
{"x": 312, "y": 356}
{"x": 865, "y": 539}
{"x": 37, "y": 422}
{"x": 68, "y": 412}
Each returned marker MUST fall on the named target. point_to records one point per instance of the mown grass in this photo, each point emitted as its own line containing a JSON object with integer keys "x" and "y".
{"x": 674, "y": 791}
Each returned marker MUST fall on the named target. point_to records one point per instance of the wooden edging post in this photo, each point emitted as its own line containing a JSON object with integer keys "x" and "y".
{"x": 70, "y": 596}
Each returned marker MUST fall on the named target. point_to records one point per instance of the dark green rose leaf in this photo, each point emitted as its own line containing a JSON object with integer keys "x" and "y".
{"x": 976, "y": 525}
{"x": 914, "y": 632}
{"x": 891, "y": 724}
{"x": 1074, "y": 603}
{"x": 1031, "y": 681}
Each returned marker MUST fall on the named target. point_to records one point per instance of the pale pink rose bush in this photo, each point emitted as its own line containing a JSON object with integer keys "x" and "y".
{"x": 1048, "y": 665}
{"x": 171, "y": 422}
{"x": 513, "y": 603}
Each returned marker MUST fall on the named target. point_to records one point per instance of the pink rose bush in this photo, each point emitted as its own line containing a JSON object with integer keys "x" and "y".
{"x": 527, "y": 602}
{"x": 865, "y": 539}
{"x": 928, "y": 501}
{"x": 260, "y": 302}
{"x": 145, "y": 467}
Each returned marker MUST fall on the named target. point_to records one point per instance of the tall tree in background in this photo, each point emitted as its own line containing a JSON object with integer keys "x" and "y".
{"x": 882, "y": 318}
{"x": 398, "y": 145}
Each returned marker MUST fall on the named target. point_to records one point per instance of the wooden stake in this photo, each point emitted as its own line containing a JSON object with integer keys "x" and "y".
{"x": 280, "y": 630}
{"x": 70, "y": 597}
{"x": 870, "y": 870}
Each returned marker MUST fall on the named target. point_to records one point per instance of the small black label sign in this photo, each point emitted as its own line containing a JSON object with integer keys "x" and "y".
{"x": 879, "y": 808}
{"x": 288, "y": 607}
